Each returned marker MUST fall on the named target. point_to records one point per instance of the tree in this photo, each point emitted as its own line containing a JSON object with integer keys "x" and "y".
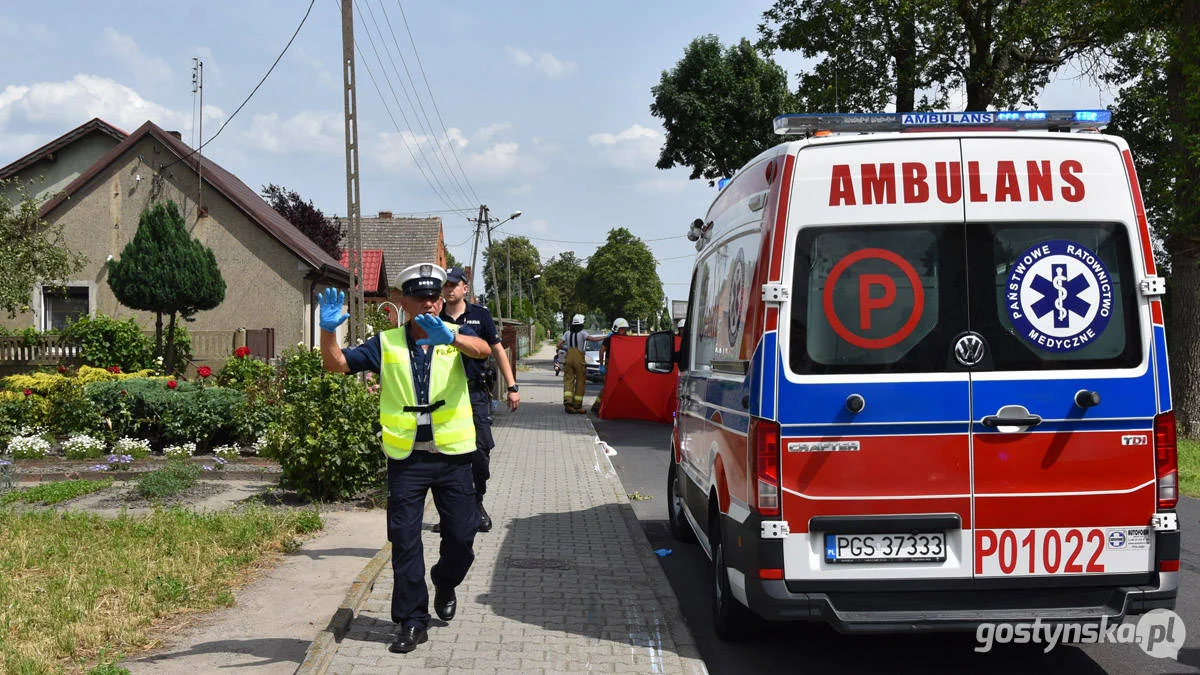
{"x": 1157, "y": 66}
{"x": 307, "y": 218}
{"x": 33, "y": 251}
{"x": 1001, "y": 53}
{"x": 450, "y": 261}
{"x": 165, "y": 271}
{"x": 621, "y": 279}
{"x": 716, "y": 105}
{"x": 516, "y": 261}
{"x": 557, "y": 292}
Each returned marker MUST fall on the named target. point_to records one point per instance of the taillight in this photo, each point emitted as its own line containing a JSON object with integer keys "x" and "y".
{"x": 1166, "y": 461}
{"x": 764, "y": 452}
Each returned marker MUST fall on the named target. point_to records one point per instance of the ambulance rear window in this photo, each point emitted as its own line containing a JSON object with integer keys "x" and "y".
{"x": 1055, "y": 295}
{"x": 883, "y": 298}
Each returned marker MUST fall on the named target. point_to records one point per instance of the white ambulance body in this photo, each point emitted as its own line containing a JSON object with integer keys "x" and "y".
{"x": 923, "y": 379}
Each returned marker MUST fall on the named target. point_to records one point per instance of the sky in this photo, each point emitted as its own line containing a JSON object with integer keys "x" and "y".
{"x": 537, "y": 106}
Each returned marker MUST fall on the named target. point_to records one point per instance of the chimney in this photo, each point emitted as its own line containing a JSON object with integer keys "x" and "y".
{"x": 176, "y": 134}
{"x": 385, "y": 215}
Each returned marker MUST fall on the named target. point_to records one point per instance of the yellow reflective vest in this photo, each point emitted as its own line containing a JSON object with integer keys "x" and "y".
{"x": 453, "y": 424}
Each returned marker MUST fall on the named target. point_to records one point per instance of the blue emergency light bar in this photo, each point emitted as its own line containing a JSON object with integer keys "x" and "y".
{"x": 807, "y": 124}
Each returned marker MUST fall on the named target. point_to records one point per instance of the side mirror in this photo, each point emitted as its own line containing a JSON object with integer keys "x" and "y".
{"x": 660, "y": 352}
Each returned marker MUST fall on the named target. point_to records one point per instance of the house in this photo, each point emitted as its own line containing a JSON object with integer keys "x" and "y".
{"x": 272, "y": 271}
{"x": 54, "y": 165}
{"x": 404, "y": 242}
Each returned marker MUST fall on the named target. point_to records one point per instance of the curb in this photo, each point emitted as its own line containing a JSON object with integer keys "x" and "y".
{"x": 681, "y": 635}
{"x": 324, "y": 646}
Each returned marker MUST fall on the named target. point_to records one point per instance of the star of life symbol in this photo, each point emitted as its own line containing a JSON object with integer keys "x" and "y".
{"x": 1059, "y": 296}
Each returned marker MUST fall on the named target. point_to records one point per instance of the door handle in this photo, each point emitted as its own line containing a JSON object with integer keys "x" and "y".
{"x": 1012, "y": 416}
{"x": 998, "y": 421}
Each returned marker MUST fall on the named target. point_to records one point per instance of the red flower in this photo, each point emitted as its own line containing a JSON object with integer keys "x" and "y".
{"x": 29, "y": 392}
{"x": 114, "y": 369}
{"x": 241, "y": 352}
{"x": 124, "y": 393}
{"x": 62, "y": 369}
{"x": 204, "y": 371}
{"x": 171, "y": 384}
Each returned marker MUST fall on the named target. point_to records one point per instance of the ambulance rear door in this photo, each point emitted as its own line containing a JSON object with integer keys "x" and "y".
{"x": 873, "y": 410}
{"x": 1062, "y": 392}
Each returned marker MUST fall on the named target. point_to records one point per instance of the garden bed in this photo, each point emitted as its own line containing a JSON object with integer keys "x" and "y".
{"x": 57, "y": 468}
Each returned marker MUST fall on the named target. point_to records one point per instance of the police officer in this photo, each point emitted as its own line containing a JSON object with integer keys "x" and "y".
{"x": 457, "y": 310}
{"x": 428, "y": 437}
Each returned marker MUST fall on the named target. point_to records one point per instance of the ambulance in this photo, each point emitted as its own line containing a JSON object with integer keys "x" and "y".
{"x": 923, "y": 379}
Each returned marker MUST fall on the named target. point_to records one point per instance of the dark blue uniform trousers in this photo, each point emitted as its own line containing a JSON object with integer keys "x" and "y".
{"x": 449, "y": 476}
{"x": 481, "y": 407}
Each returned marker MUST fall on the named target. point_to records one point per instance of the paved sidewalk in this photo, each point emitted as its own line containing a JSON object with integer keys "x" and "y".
{"x": 565, "y": 581}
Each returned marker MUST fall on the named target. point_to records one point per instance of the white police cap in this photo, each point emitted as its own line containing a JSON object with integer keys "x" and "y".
{"x": 423, "y": 279}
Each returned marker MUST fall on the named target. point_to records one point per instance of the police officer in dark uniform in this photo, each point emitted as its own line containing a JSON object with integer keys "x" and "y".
{"x": 428, "y": 436}
{"x": 457, "y": 310}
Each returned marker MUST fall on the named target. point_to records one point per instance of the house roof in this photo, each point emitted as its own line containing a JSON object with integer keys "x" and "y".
{"x": 238, "y": 193}
{"x": 373, "y": 271}
{"x": 404, "y": 241}
{"x": 94, "y": 125}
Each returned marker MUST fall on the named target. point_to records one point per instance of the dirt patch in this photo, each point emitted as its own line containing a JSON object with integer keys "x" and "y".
{"x": 127, "y": 496}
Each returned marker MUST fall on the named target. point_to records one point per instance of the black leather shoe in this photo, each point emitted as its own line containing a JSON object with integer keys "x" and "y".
{"x": 407, "y": 639}
{"x": 485, "y": 521}
{"x": 445, "y": 603}
{"x": 437, "y": 527}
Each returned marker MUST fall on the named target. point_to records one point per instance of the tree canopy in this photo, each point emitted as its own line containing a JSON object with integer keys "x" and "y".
{"x": 165, "y": 271}
{"x": 307, "y": 218}
{"x": 560, "y": 279}
{"x": 506, "y": 264}
{"x": 33, "y": 251}
{"x": 716, "y": 105}
{"x": 621, "y": 279}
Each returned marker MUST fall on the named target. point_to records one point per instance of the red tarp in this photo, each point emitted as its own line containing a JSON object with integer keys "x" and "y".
{"x": 630, "y": 391}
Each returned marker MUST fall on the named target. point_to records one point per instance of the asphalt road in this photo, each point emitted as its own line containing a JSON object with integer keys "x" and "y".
{"x": 641, "y": 463}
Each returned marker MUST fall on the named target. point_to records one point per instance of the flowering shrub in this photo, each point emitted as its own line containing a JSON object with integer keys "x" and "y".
{"x": 136, "y": 448}
{"x": 227, "y": 452}
{"x": 241, "y": 352}
{"x": 119, "y": 462}
{"x": 82, "y": 446}
{"x": 31, "y": 446}
{"x": 172, "y": 384}
{"x": 204, "y": 371}
{"x": 181, "y": 451}
{"x": 240, "y": 372}
{"x": 106, "y": 342}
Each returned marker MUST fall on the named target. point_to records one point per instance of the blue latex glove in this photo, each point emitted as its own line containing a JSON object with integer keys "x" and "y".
{"x": 603, "y": 370}
{"x": 437, "y": 330}
{"x": 331, "y": 301}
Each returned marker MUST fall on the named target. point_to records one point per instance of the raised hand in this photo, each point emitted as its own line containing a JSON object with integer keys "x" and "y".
{"x": 437, "y": 330}
{"x": 330, "y": 302}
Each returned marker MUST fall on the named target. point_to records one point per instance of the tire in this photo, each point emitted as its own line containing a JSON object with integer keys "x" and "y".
{"x": 676, "y": 520}
{"x": 732, "y": 622}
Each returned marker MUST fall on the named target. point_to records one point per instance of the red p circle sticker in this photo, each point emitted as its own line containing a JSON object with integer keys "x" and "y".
{"x": 875, "y": 291}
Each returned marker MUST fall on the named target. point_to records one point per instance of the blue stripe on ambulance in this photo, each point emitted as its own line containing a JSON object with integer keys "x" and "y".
{"x": 914, "y": 402}
{"x": 1160, "y": 365}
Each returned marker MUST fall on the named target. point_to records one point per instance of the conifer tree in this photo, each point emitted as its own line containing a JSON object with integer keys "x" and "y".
{"x": 163, "y": 270}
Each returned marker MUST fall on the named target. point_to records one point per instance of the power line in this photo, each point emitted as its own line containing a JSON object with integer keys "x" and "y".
{"x": 433, "y": 100}
{"x": 598, "y": 243}
{"x": 416, "y": 108}
{"x": 250, "y": 95}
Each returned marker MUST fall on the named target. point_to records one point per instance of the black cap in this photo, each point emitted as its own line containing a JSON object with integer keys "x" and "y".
{"x": 456, "y": 275}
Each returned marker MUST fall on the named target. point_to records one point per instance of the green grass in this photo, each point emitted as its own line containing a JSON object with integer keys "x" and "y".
{"x": 79, "y": 588}
{"x": 168, "y": 481}
{"x": 53, "y": 493}
{"x": 1189, "y": 467}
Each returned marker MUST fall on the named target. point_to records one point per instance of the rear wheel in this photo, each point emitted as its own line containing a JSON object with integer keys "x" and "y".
{"x": 731, "y": 620}
{"x": 680, "y": 529}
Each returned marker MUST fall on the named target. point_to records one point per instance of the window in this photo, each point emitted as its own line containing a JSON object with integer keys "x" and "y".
{"x": 877, "y": 299}
{"x": 1054, "y": 295}
{"x": 60, "y": 306}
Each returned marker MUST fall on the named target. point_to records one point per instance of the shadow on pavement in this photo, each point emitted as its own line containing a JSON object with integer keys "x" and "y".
{"x": 260, "y": 652}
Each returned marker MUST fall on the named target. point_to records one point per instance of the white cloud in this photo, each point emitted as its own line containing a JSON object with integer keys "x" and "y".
{"x": 634, "y": 148}
{"x": 548, "y": 64}
{"x": 27, "y": 33}
{"x": 64, "y": 105}
{"x": 148, "y": 72}
{"x": 307, "y": 132}
{"x": 491, "y": 131}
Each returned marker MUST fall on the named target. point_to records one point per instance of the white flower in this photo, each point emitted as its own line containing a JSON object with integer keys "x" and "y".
{"x": 132, "y": 446}
{"x": 82, "y": 446}
{"x": 181, "y": 451}
{"x": 225, "y": 453}
{"x": 29, "y": 447}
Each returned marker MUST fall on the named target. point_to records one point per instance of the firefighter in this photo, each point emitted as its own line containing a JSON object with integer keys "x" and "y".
{"x": 574, "y": 367}
{"x": 428, "y": 437}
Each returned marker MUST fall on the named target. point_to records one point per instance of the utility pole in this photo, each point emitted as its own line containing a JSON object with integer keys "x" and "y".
{"x": 198, "y": 87}
{"x": 491, "y": 259}
{"x": 480, "y": 223}
{"x": 353, "y": 213}
{"x": 508, "y": 284}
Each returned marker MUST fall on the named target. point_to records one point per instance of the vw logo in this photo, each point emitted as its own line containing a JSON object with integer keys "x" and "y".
{"x": 969, "y": 349}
